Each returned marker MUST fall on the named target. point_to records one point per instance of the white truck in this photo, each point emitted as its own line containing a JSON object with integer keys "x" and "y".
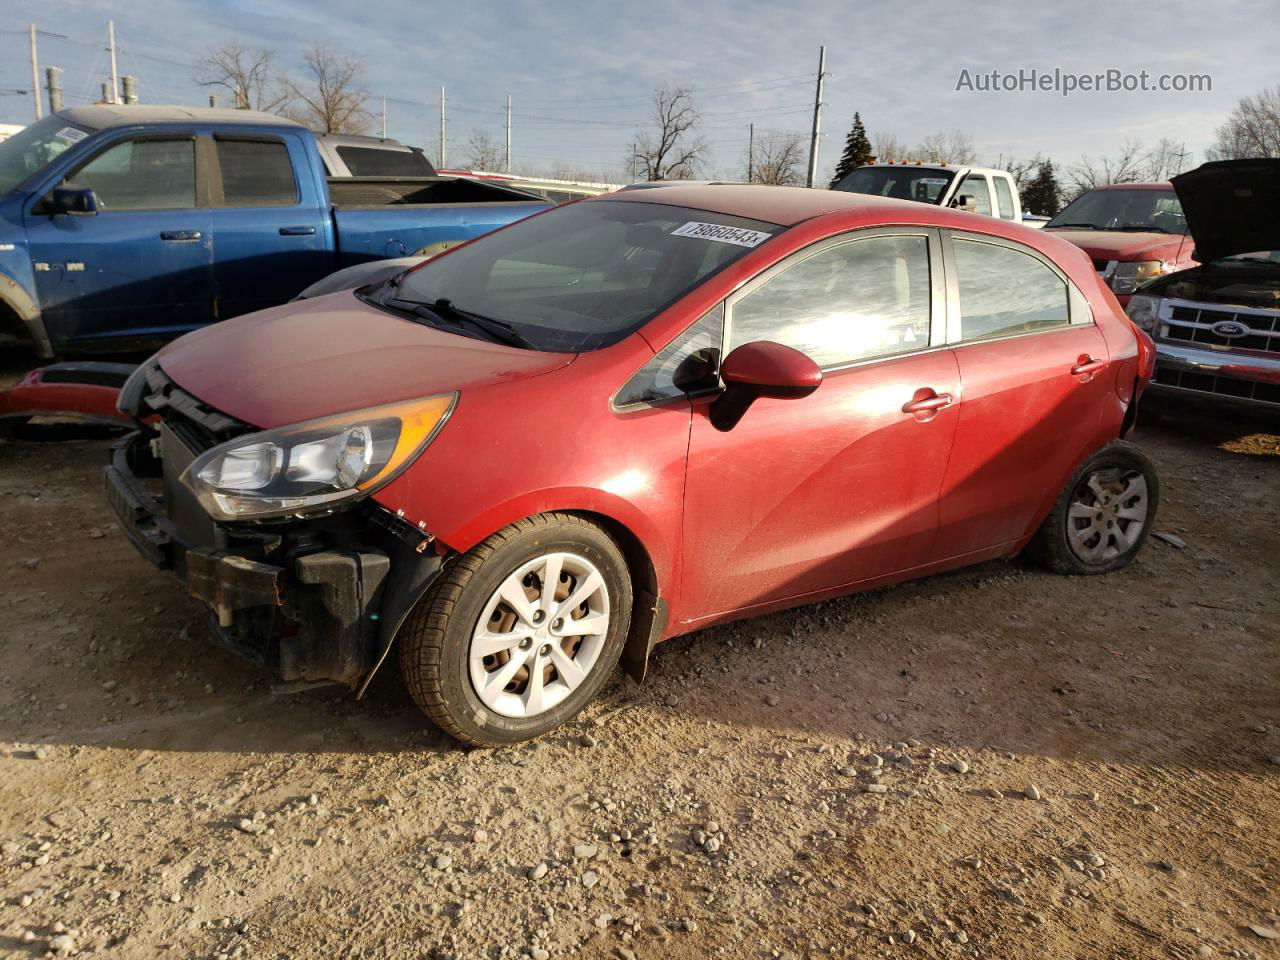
{"x": 975, "y": 189}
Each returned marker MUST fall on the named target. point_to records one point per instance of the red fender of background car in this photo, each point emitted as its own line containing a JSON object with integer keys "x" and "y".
{"x": 83, "y": 391}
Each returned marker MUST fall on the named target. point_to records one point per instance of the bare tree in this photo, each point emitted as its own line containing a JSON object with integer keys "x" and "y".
{"x": 249, "y": 77}
{"x": 953, "y": 147}
{"x": 1023, "y": 171}
{"x": 889, "y": 149}
{"x": 1166, "y": 159}
{"x": 1252, "y": 129}
{"x": 329, "y": 99}
{"x": 483, "y": 153}
{"x": 1126, "y": 166}
{"x": 778, "y": 160}
{"x": 670, "y": 151}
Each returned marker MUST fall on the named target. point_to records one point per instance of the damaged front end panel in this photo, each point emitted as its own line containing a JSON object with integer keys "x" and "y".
{"x": 311, "y": 599}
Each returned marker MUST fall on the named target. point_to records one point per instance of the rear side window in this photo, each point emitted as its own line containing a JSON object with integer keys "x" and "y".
{"x": 256, "y": 173}
{"x": 372, "y": 162}
{"x": 1004, "y": 292}
{"x": 142, "y": 175}
{"x": 855, "y": 301}
{"x": 1005, "y": 197}
{"x": 976, "y": 186}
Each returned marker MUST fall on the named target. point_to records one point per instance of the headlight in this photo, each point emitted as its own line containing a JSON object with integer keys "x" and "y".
{"x": 1130, "y": 276}
{"x": 1143, "y": 311}
{"x": 313, "y": 466}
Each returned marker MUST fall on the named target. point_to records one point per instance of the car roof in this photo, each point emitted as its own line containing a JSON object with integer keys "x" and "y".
{"x": 104, "y": 116}
{"x": 784, "y": 206}
{"x": 1135, "y": 186}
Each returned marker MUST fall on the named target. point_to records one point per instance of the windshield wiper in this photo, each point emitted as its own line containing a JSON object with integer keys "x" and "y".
{"x": 435, "y": 313}
{"x": 1141, "y": 227}
{"x": 1086, "y": 226}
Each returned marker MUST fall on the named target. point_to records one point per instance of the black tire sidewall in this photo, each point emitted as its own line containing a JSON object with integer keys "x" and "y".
{"x": 461, "y": 700}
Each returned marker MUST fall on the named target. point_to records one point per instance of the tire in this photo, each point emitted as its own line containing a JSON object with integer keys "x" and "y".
{"x": 474, "y": 696}
{"x": 1085, "y": 534}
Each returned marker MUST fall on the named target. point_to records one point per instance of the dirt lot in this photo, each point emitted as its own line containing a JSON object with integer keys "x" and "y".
{"x": 995, "y": 763}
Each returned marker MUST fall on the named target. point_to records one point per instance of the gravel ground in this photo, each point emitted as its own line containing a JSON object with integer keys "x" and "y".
{"x": 993, "y": 763}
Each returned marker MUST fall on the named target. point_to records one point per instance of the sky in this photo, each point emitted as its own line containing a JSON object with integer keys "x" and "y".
{"x": 582, "y": 75}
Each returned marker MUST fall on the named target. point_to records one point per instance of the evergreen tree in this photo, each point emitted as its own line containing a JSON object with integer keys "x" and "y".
{"x": 1042, "y": 195}
{"x": 857, "y": 151}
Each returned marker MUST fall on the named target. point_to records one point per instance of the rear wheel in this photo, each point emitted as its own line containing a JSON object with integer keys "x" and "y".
{"x": 521, "y": 632}
{"x": 1104, "y": 514}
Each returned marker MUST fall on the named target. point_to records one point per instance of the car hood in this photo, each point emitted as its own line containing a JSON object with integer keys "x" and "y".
{"x": 333, "y": 354}
{"x": 1124, "y": 245}
{"x": 1232, "y": 206}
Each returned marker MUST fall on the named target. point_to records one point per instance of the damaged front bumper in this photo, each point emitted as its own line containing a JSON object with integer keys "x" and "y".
{"x": 311, "y": 599}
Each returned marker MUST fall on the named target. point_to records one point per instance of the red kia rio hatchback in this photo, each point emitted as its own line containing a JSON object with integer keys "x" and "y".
{"x": 626, "y": 419}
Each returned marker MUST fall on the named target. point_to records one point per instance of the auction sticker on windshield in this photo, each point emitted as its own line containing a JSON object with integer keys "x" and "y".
{"x": 721, "y": 234}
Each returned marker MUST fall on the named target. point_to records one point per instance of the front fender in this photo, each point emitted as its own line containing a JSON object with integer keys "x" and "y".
{"x": 15, "y": 296}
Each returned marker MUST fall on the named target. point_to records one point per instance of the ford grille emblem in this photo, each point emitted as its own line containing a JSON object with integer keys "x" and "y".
{"x": 1229, "y": 328}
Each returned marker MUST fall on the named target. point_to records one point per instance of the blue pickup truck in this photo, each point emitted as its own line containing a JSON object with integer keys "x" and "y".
{"x": 124, "y": 226}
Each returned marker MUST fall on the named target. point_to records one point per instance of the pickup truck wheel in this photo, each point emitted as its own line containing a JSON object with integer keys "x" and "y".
{"x": 1104, "y": 514}
{"x": 519, "y": 633}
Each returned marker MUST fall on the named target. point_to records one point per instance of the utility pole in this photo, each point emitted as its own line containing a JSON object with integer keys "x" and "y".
{"x": 384, "y": 118}
{"x": 442, "y": 163}
{"x": 115, "y": 77}
{"x": 35, "y": 73}
{"x": 817, "y": 115}
{"x": 508, "y": 133}
{"x": 53, "y": 78}
{"x": 751, "y": 153}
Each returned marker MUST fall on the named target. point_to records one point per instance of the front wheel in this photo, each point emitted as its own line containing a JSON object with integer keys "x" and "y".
{"x": 521, "y": 632}
{"x": 1104, "y": 514}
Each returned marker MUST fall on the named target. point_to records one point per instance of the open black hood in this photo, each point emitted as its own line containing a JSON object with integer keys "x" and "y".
{"x": 1232, "y": 206}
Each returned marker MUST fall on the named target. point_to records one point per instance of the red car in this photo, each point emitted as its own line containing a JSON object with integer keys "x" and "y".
{"x": 631, "y": 418}
{"x": 1133, "y": 232}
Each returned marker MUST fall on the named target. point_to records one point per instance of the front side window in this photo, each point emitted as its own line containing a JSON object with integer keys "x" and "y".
{"x": 256, "y": 173}
{"x": 584, "y": 275}
{"x": 688, "y": 365}
{"x": 855, "y": 301}
{"x": 1004, "y": 292}
{"x": 975, "y": 185}
{"x": 141, "y": 175}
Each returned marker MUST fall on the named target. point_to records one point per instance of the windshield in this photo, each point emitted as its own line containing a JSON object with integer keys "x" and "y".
{"x": 1157, "y": 211}
{"x": 904, "y": 183}
{"x": 34, "y": 147}
{"x": 583, "y": 276}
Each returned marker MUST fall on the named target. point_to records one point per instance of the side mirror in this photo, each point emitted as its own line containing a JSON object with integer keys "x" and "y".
{"x": 77, "y": 201}
{"x": 966, "y": 202}
{"x": 761, "y": 369}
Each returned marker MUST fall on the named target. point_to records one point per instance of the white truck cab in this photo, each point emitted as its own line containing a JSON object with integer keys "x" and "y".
{"x": 976, "y": 189}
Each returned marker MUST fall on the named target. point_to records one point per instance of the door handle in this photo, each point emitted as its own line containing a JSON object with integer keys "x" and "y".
{"x": 180, "y": 236}
{"x": 928, "y": 404}
{"x": 1086, "y": 366}
{"x": 297, "y": 231}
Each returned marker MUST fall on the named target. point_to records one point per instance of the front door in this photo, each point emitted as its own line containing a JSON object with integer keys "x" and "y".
{"x": 1035, "y": 373}
{"x": 841, "y": 486}
{"x": 139, "y": 267}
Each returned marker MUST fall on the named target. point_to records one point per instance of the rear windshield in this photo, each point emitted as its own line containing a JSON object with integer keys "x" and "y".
{"x": 903, "y": 183}
{"x": 1154, "y": 211}
{"x": 34, "y": 147}
{"x": 583, "y": 276}
{"x": 374, "y": 162}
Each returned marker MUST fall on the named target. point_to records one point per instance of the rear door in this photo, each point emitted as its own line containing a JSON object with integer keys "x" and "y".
{"x": 271, "y": 232}
{"x": 841, "y": 486}
{"x": 1034, "y": 371}
{"x": 140, "y": 266}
